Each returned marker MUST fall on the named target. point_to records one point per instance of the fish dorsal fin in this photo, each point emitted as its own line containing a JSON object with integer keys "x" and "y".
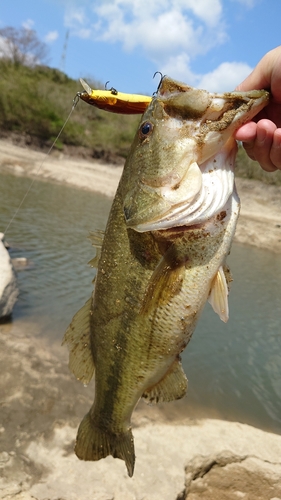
{"x": 95, "y": 260}
{"x": 77, "y": 338}
{"x": 218, "y": 297}
{"x": 171, "y": 387}
{"x": 96, "y": 238}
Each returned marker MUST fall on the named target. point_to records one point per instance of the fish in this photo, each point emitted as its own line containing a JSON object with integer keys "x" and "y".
{"x": 161, "y": 258}
{"x": 114, "y": 101}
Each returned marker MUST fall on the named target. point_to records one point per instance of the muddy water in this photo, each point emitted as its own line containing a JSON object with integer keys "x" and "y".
{"x": 234, "y": 370}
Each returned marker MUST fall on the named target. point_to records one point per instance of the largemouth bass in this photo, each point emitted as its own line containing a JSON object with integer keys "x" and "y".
{"x": 163, "y": 255}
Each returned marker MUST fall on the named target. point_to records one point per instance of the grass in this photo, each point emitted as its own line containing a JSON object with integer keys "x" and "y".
{"x": 35, "y": 102}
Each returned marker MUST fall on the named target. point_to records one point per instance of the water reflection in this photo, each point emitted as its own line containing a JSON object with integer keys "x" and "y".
{"x": 234, "y": 370}
{"x": 51, "y": 230}
{"x": 237, "y": 366}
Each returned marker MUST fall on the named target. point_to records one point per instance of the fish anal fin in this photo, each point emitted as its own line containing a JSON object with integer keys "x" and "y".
{"x": 77, "y": 338}
{"x": 93, "y": 443}
{"x": 218, "y": 297}
{"x": 171, "y": 387}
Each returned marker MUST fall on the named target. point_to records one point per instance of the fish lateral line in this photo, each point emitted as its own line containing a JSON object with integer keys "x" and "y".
{"x": 74, "y": 104}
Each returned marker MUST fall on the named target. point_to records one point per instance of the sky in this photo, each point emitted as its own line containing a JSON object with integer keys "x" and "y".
{"x": 209, "y": 44}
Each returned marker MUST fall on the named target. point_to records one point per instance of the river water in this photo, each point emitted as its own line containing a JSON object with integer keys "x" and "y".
{"x": 234, "y": 369}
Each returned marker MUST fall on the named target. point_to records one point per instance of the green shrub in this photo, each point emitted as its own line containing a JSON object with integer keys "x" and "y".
{"x": 37, "y": 100}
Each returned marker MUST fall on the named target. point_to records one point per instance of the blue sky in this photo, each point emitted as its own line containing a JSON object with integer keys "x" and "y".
{"x": 211, "y": 44}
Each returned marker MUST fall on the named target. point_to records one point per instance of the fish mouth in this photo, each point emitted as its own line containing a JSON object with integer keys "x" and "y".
{"x": 202, "y": 180}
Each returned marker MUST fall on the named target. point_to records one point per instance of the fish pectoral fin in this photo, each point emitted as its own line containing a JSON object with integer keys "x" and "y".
{"x": 93, "y": 443}
{"x": 218, "y": 297}
{"x": 164, "y": 284}
{"x": 77, "y": 338}
{"x": 171, "y": 387}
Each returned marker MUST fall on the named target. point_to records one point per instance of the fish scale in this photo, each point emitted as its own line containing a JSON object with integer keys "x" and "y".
{"x": 163, "y": 256}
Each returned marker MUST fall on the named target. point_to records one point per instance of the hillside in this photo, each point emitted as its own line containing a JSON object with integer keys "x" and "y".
{"x": 35, "y": 102}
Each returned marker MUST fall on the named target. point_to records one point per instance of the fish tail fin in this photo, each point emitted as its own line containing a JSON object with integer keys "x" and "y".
{"x": 93, "y": 443}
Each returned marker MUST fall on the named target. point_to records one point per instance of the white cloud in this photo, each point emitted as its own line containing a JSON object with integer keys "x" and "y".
{"x": 51, "y": 36}
{"x": 225, "y": 77}
{"x": 74, "y": 16}
{"x": 170, "y": 33}
{"x": 28, "y": 24}
{"x": 178, "y": 67}
{"x": 201, "y": 8}
{"x": 161, "y": 29}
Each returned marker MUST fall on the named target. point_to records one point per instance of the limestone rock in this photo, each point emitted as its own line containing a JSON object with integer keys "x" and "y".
{"x": 8, "y": 282}
{"x": 228, "y": 476}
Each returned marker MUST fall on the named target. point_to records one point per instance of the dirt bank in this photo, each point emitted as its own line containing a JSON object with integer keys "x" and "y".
{"x": 42, "y": 404}
{"x": 260, "y": 219}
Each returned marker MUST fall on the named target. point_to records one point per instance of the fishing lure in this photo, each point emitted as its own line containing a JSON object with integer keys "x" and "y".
{"x": 114, "y": 101}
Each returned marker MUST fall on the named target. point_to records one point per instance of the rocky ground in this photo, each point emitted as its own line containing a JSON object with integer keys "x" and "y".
{"x": 42, "y": 405}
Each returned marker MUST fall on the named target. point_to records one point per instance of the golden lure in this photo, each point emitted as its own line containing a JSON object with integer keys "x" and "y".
{"x": 114, "y": 101}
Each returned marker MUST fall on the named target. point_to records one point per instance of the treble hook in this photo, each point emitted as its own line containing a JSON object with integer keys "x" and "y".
{"x": 161, "y": 79}
{"x": 112, "y": 90}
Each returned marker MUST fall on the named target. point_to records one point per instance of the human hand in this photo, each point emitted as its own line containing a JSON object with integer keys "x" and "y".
{"x": 262, "y": 137}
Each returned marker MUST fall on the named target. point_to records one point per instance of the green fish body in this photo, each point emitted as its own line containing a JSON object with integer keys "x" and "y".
{"x": 162, "y": 257}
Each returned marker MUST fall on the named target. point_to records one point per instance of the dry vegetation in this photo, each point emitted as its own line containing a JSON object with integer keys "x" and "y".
{"x": 35, "y": 101}
{"x": 249, "y": 169}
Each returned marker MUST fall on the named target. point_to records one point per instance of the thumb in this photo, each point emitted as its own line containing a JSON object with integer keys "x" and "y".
{"x": 266, "y": 75}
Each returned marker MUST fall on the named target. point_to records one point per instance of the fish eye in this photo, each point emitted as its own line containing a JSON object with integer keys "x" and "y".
{"x": 145, "y": 129}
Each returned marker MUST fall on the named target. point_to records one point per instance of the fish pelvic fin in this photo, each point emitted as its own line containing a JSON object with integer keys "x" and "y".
{"x": 77, "y": 338}
{"x": 171, "y": 387}
{"x": 218, "y": 297}
{"x": 93, "y": 443}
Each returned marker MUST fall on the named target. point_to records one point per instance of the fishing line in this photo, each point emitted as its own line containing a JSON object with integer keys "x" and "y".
{"x": 75, "y": 102}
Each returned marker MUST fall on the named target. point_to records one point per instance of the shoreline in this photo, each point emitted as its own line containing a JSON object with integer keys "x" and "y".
{"x": 259, "y": 222}
{"x": 42, "y": 404}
